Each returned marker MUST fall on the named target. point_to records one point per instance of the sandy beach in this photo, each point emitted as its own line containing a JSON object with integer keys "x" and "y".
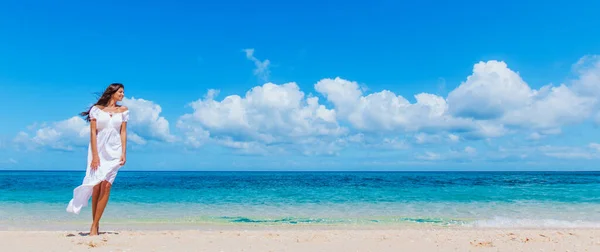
{"x": 310, "y": 212}
{"x": 305, "y": 239}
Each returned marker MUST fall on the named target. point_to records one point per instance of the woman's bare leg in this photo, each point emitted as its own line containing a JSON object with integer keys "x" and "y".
{"x": 95, "y": 197}
{"x": 102, "y": 201}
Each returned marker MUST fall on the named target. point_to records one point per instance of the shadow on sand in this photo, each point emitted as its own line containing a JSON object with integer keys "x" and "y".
{"x": 88, "y": 233}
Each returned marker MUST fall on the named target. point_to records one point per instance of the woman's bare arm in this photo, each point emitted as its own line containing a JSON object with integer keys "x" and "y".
{"x": 94, "y": 145}
{"x": 123, "y": 139}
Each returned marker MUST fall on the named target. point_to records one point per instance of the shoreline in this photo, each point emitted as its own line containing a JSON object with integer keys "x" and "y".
{"x": 299, "y": 239}
{"x": 205, "y": 225}
{"x": 133, "y": 226}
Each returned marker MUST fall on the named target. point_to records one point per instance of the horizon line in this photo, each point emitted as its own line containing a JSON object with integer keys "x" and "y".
{"x": 247, "y": 171}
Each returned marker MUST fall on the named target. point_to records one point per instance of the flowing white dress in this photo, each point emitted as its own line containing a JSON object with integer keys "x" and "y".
{"x": 109, "y": 152}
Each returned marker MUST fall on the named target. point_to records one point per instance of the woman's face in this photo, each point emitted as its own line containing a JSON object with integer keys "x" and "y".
{"x": 118, "y": 96}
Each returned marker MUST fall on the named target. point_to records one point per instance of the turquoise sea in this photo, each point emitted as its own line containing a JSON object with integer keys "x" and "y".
{"x": 37, "y": 199}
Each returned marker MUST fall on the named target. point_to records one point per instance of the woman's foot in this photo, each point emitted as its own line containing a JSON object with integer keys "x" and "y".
{"x": 94, "y": 230}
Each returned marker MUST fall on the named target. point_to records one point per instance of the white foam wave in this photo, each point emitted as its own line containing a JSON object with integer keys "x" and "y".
{"x": 503, "y": 222}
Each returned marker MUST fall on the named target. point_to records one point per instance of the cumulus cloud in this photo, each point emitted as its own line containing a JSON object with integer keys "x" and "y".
{"x": 588, "y": 82}
{"x": 497, "y": 94}
{"x": 386, "y": 111}
{"x": 261, "y": 69}
{"x": 551, "y": 107}
{"x": 270, "y": 114}
{"x": 492, "y": 102}
{"x": 489, "y": 92}
{"x": 145, "y": 123}
{"x": 588, "y": 72}
{"x": 62, "y": 135}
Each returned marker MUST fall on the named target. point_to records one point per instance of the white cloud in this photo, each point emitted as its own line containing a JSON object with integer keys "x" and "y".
{"x": 261, "y": 67}
{"x": 570, "y": 152}
{"x": 62, "y": 135}
{"x": 132, "y": 136}
{"x": 453, "y": 138}
{"x": 470, "y": 150}
{"x": 522, "y": 153}
{"x": 551, "y": 107}
{"x": 10, "y": 161}
{"x": 492, "y": 102}
{"x": 518, "y": 153}
{"x": 342, "y": 93}
{"x": 588, "y": 82}
{"x": 489, "y": 92}
{"x": 270, "y": 114}
{"x": 535, "y": 136}
{"x": 485, "y": 130}
{"x": 144, "y": 123}
{"x": 386, "y": 111}
{"x": 467, "y": 154}
{"x": 496, "y": 94}
{"x": 429, "y": 156}
{"x": 439, "y": 138}
{"x": 538, "y": 135}
{"x": 570, "y": 155}
{"x": 375, "y": 142}
{"x": 588, "y": 71}
{"x": 595, "y": 146}
{"x": 424, "y": 138}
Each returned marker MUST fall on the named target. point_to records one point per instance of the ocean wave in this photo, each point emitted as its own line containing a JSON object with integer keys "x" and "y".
{"x": 504, "y": 222}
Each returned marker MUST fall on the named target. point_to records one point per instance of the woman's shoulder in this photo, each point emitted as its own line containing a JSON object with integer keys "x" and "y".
{"x": 119, "y": 109}
{"x": 96, "y": 107}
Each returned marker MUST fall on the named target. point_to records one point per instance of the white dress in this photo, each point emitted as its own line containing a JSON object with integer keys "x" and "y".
{"x": 109, "y": 152}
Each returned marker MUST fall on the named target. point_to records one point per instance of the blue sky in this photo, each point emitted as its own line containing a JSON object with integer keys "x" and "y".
{"x": 54, "y": 56}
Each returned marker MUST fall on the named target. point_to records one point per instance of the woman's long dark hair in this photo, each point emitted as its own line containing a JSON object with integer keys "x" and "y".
{"x": 104, "y": 98}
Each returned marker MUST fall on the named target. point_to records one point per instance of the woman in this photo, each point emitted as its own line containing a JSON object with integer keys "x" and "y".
{"x": 106, "y": 153}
